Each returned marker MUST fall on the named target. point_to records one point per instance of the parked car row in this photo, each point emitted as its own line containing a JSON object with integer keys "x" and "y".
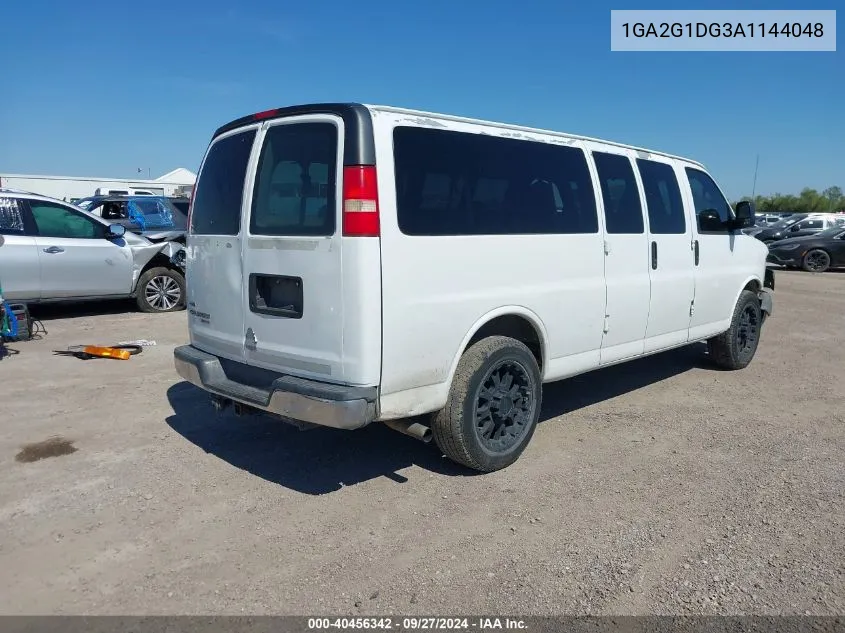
{"x": 814, "y": 253}
{"x": 796, "y": 225}
{"x": 53, "y": 251}
{"x": 814, "y": 242}
{"x": 768, "y": 219}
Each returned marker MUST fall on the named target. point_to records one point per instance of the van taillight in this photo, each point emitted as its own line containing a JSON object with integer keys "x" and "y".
{"x": 360, "y": 201}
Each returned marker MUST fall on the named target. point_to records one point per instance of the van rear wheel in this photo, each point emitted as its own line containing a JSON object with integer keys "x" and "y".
{"x": 493, "y": 406}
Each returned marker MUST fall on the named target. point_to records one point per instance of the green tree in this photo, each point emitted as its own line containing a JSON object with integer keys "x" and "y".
{"x": 836, "y": 200}
{"x": 808, "y": 201}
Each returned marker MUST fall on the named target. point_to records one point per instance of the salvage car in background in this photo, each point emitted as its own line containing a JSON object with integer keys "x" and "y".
{"x": 152, "y": 216}
{"x": 53, "y": 251}
{"x": 814, "y": 253}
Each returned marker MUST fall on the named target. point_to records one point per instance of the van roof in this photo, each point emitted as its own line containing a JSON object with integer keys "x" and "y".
{"x": 522, "y": 128}
{"x": 357, "y": 112}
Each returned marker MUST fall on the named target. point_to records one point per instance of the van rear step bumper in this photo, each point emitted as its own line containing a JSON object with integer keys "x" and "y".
{"x": 310, "y": 401}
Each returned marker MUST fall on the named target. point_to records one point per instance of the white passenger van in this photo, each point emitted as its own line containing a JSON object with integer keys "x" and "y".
{"x": 350, "y": 264}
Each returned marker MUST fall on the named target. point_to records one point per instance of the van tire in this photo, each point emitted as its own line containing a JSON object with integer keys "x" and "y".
{"x": 490, "y": 361}
{"x": 735, "y": 348}
{"x": 167, "y": 278}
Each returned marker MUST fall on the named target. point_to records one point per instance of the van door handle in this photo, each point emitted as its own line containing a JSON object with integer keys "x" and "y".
{"x": 654, "y": 255}
{"x": 53, "y": 250}
{"x": 695, "y": 245}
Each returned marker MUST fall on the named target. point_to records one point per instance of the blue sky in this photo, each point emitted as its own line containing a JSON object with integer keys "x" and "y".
{"x": 97, "y": 88}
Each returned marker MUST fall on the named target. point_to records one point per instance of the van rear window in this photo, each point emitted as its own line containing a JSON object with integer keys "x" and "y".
{"x": 295, "y": 186}
{"x": 217, "y": 199}
{"x": 457, "y": 183}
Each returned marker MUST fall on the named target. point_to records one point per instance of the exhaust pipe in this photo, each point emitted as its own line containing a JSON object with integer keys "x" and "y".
{"x": 410, "y": 427}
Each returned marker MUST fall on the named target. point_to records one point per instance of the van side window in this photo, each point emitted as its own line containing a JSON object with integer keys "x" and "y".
{"x": 666, "y": 214}
{"x": 436, "y": 193}
{"x": 217, "y": 199}
{"x": 296, "y": 181}
{"x": 459, "y": 183}
{"x": 707, "y": 198}
{"x": 623, "y": 212}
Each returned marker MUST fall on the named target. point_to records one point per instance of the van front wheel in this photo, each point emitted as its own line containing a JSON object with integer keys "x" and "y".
{"x": 493, "y": 406}
{"x": 735, "y": 348}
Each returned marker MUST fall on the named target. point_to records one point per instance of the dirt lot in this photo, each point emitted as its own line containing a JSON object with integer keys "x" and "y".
{"x": 661, "y": 486}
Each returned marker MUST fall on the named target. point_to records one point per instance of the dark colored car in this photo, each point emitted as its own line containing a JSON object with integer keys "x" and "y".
{"x": 799, "y": 225}
{"x": 780, "y": 224}
{"x": 814, "y": 253}
{"x": 183, "y": 204}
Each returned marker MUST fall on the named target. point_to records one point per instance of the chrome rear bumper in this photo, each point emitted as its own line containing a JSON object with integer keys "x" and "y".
{"x": 299, "y": 399}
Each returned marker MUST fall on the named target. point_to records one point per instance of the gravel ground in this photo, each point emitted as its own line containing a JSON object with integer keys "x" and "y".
{"x": 660, "y": 486}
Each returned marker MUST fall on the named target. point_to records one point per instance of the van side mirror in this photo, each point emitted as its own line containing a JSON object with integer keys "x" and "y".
{"x": 115, "y": 231}
{"x": 743, "y": 215}
{"x": 709, "y": 220}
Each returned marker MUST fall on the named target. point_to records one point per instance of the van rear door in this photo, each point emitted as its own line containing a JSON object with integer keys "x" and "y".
{"x": 293, "y": 291}
{"x": 214, "y": 272}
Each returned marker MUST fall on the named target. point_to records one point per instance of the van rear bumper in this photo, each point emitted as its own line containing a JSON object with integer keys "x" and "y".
{"x": 310, "y": 401}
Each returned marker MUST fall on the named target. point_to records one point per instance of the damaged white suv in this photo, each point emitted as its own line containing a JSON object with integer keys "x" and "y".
{"x": 51, "y": 251}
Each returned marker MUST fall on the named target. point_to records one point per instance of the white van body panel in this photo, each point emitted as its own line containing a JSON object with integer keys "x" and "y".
{"x": 341, "y": 324}
{"x": 214, "y": 281}
{"x": 391, "y": 316}
{"x": 575, "y": 285}
{"x": 728, "y": 262}
{"x": 311, "y": 347}
{"x": 338, "y": 336}
{"x": 416, "y": 400}
{"x": 440, "y": 287}
{"x": 626, "y": 274}
{"x": 673, "y": 280}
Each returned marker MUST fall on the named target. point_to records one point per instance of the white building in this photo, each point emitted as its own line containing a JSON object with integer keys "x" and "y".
{"x": 180, "y": 181}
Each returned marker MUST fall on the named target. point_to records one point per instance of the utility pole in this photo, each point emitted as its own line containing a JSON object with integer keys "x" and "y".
{"x": 754, "y": 186}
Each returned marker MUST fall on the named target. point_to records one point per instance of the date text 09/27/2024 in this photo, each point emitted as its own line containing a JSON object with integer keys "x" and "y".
{"x": 723, "y": 29}
{"x": 417, "y": 624}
